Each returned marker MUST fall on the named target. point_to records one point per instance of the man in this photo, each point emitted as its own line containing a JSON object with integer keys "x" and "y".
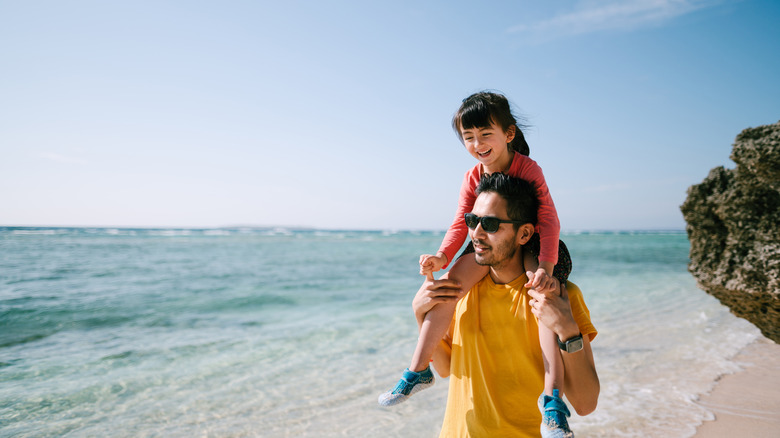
{"x": 492, "y": 351}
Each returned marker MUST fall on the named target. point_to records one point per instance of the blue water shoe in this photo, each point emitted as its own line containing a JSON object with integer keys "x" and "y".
{"x": 554, "y": 413}
{"x": 410, "y": 383}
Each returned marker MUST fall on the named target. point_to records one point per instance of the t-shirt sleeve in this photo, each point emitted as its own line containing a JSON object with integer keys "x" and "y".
{"x": 580, "y": 311}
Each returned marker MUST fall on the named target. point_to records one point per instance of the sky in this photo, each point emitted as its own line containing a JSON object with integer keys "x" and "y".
{"x": 337, "y": 115}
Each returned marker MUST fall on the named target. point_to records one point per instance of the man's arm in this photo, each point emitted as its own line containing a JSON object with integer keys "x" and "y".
{"x": 433, "y": 292}
{"x": 581, "y": 381}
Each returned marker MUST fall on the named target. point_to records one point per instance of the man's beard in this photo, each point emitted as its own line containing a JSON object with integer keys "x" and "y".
{"x": 504, "y": 251}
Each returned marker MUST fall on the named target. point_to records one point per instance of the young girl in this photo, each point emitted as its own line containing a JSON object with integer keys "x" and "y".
{"x": 490, "y": 133}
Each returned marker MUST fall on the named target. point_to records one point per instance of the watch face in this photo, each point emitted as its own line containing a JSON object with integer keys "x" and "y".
{"x": 574, "y": 345}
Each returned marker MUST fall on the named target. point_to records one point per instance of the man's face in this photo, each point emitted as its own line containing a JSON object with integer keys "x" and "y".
{"x": 493, "y": 249}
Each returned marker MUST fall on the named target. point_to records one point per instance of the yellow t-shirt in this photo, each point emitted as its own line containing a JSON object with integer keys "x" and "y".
{"x": 496, "y": 371}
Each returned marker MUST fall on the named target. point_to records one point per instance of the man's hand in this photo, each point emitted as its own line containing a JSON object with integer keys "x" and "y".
{"x": 432, "y": 263}
{"x": 554, "y": 311}
{"x": 433, "y": 292}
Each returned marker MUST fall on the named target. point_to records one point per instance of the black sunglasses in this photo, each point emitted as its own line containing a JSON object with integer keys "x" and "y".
{"x": 489, "y": 224}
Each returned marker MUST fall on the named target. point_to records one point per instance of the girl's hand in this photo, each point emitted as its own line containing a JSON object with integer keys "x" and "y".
{"x": 542, "y": 282}
{"x": 432, "y": 263}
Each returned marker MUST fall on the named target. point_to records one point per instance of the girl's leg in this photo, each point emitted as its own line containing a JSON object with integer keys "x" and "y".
{"x": 437, "y": 320}
{"x": 553, "y": 363}
{"x": 553, "y": 408}
{"x": 433, "y": 328}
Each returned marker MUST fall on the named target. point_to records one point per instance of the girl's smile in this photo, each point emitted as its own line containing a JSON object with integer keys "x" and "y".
{"x": 489, "y": 145}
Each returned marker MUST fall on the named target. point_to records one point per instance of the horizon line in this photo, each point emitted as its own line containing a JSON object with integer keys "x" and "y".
{"x": 311, "y": 228}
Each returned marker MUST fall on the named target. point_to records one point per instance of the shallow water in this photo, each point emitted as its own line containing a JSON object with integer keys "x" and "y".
{"x": 243, "y": 332}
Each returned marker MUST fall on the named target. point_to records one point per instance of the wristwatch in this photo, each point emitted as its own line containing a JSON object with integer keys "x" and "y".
{"x": 572, "y": 345}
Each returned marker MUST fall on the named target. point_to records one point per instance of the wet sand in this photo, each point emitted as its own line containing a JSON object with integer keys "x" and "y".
{"x": 746, "y": 403}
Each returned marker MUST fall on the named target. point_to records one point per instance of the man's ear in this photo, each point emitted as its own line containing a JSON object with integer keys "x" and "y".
{"x": 524, "y": 233}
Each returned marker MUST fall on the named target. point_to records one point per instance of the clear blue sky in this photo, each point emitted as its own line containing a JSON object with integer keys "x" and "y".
{"x": 337, "y": 114}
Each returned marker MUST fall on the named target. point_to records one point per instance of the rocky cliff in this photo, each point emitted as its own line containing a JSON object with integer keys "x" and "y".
{"x": 733, "y": 224}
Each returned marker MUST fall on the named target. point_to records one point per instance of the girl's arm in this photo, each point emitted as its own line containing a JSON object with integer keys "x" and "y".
{"x": 458, "y": 231}
{"x": 548, "y": 226}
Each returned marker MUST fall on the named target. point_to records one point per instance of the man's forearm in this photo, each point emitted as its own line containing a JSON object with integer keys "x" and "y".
{"x": 581, "y": 382}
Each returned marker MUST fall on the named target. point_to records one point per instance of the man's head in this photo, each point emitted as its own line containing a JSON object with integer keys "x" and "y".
{"x": 513, "y": 202}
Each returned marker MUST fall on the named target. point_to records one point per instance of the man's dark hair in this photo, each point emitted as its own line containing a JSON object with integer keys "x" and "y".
{"x": 521, "y": 201}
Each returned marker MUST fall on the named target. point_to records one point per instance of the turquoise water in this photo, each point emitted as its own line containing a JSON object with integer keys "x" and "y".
{"x": 276, "y": 333}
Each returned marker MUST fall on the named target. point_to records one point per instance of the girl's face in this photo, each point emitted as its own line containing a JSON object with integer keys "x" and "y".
{"x": 489, "y": 145}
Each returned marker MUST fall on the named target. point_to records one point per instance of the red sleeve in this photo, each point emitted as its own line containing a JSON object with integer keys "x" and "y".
{"x": 548, "y": 226}
{"x": 458, "y": 231}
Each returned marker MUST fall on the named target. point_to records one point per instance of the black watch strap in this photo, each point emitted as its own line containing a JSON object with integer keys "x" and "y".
{"x": 571, "y": 345}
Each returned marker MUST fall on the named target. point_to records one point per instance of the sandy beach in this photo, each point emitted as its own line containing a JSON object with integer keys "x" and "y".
{"x": 746, "y": 403}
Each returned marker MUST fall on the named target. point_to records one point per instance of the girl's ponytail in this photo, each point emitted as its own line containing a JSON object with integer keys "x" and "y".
{"x": 519, "y": 144}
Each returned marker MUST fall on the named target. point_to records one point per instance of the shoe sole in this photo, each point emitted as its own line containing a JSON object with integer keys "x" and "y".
{"x": 402, "y": 398}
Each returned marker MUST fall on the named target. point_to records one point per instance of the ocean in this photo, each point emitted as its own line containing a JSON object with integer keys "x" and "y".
{"x": 247, "y": 332}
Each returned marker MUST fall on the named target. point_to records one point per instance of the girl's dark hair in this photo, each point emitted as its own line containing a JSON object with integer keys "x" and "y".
{"x": 481, "y": 109}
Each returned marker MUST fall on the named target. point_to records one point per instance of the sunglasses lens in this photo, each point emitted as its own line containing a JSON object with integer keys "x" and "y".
{"x": 490, "y": 224}
{"x": 471, "y": 220}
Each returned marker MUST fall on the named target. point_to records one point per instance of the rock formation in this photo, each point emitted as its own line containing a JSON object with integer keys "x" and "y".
{"x": 733, "y": 224}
